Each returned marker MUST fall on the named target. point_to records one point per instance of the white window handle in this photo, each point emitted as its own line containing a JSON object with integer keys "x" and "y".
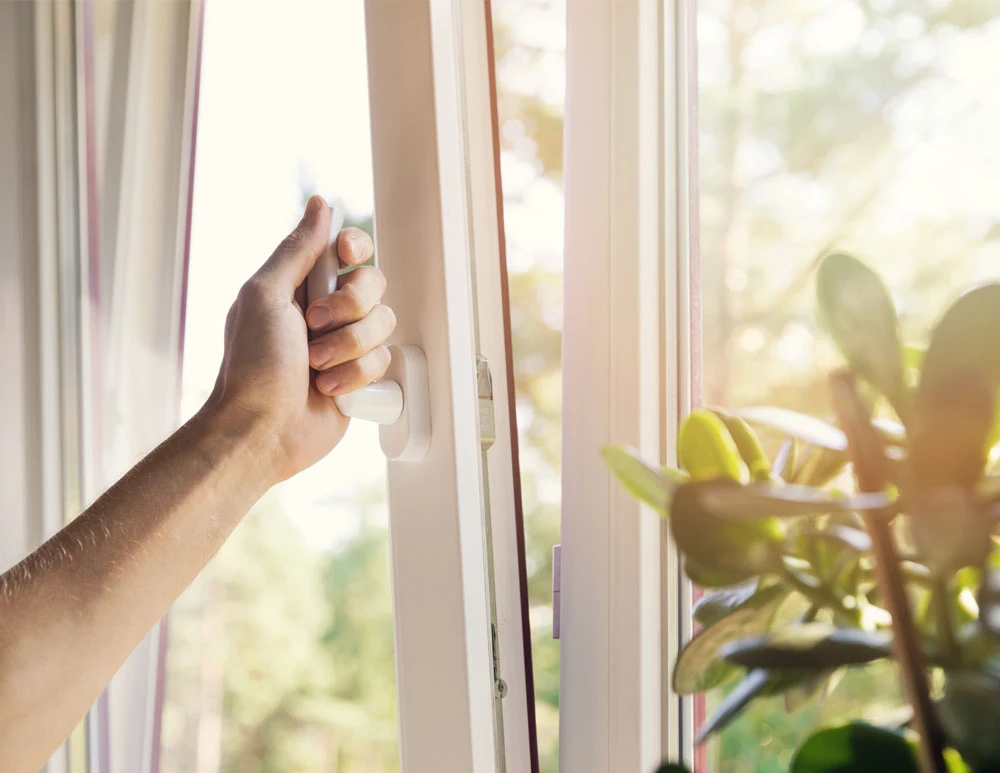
{"x": 400, "y": 401}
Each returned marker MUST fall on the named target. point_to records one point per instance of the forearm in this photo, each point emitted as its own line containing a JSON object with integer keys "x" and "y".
{"x": 73, "y": 610}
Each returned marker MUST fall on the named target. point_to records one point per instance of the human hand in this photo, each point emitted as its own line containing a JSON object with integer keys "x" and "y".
{"x": 265, "y": 378}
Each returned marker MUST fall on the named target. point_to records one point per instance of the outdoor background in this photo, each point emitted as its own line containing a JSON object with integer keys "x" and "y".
{"x": 870, "y": 125}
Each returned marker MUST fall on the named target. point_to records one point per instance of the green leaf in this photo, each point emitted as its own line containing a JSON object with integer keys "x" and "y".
{"x": 699, "y": 667}
{"x": 757, "y": 684}
{"x": 969, "y": 711}
{"x": 647, "y": 483}
{"x": 988, "y": 599}
{"x": 855, "y": 748}
{"x": 759, "y": 500}
{"x": 707, "y": 577}
{"x": 748, "y": 445}
{"x": 956, "y": 398}
{"x": 913, "y": 356}
{"x": 808, "y": 429}
{"x": 809, "y": 647}
{"x": 730, "y": 551}
{"x": 706, "y": 449}
{"x": 815, "y": 687}
{"x": 950, "y": 528}
{"x": 844, "y": 536}
{"x": 857, "y": 311}
{"x": 786, "y": 459}
{"x": 954, "y": 763}
{"x": 820, "y": 467}
{"x": 715, "y": 604}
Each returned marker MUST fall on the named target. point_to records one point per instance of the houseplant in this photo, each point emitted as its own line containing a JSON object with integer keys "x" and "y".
{"x": 866, "y": 538}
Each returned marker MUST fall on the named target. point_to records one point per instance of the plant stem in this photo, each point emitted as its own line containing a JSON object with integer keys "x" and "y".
{"x": 867, "y": 454}
{"x": 942, "y": 621}
{"x": 821, "y": 596}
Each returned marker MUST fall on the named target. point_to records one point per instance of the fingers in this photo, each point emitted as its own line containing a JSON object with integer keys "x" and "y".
{"x": 353, "y": 341}
{"x": 354, "y": 374}
{"x": 289, "y": 264}
{"x": 354, "y": 246}
{"x": 360, "y": 290}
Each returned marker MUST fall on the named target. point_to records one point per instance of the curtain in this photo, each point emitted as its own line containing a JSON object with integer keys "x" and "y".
{"x": 137, "y": 65}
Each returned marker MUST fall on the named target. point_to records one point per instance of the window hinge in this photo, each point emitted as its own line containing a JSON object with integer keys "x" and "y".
{"x": 484, "y": 386}
{"x": 556, "y": 587}
{"x": 499, "y": 685}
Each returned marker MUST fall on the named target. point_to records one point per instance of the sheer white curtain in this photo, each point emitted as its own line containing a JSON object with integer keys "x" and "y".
{"x": 138, "y": 68}
{"x": 98, "y": 104}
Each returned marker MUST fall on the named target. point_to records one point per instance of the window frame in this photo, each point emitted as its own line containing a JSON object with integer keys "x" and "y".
{"x": 438, "y": 238}
{"x": 630, "y": 372}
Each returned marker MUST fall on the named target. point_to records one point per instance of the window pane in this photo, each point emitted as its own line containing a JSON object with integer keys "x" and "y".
{"x": 531, "y": 61}
{"x": 281, "y": 654}
{"x": 863, "y": 125}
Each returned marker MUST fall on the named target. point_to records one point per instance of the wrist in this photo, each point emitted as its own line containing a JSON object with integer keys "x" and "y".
{"x": 229, "y": 436}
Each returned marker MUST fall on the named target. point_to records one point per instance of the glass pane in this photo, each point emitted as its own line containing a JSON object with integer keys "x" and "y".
{"x": 281, "y": 654}
{"x": 866, "y": 125}
{"x": 531, "y": 60}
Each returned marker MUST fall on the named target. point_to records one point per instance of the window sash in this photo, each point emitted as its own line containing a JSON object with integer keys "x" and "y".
{"x": 438, "y": 243}
{"x": 630, "y": 372}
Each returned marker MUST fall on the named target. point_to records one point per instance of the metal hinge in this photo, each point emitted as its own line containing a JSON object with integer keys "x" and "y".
{"x": 556, "y": 588}
{"x": 484, "y": 387}
{"x": 499, "y": 685}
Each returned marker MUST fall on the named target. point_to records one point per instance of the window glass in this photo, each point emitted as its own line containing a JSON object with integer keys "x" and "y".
{"x": 281, "y": 654}
{"x": 531, "y": 60}
{"x": 867, "y": 125}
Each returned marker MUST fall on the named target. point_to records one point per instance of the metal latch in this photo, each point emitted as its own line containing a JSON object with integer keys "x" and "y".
{"x": 484, "y": 386}
{"x": 556, "y": 588}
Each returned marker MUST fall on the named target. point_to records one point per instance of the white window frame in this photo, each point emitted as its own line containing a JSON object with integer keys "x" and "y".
{"x": 630, "y": 372}
{"x": 438, "y": 241}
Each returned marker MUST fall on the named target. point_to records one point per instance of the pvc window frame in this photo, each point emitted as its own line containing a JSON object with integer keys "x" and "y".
{"x": 455, "y": 538}
{"x": 631, "y": 354}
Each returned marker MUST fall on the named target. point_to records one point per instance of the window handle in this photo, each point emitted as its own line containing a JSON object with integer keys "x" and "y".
{"x": 399, "y": 402}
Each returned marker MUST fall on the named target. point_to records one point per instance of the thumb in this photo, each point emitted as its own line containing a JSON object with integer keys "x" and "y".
{"x": 290, "y": 263}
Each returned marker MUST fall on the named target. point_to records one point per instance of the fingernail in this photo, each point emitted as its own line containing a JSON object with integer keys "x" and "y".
{"x": 314, "y": 205}
{"x": 326, "y": 383}
{"x": 318, "y": 317}
{"x": 319, "y": 355}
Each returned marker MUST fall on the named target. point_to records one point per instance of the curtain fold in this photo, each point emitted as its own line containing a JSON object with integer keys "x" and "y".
{"x": 137, "y": 66}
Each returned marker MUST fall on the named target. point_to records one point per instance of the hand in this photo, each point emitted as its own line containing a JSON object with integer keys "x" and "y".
{"x": 265, "y": 376}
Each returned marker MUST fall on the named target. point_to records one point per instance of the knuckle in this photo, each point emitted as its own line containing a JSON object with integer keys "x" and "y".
{"x": 352, "y": 344}
{"x": 388, "y": 317}
{"x": 296, "y": 237}
{"x": 354, "y": 302}
{"x": 255, "y": 292}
